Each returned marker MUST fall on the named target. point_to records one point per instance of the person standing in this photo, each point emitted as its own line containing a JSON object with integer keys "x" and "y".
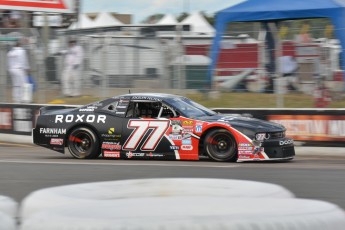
{"x": 71, "y": 80}
{"x": 288, "y": 68}
{"x": 18, "y": 67}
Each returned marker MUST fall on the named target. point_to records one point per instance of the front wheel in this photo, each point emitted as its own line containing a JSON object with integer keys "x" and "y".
{"x": 220, "y": 145}
{"x": 83, "y": 143}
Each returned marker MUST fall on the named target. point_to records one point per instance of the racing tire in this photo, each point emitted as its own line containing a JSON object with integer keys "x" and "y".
{"x": 220, "y": 145}
{"x": 83, "y": 143}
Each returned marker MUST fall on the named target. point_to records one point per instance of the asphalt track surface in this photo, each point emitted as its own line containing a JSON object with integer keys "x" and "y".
{"x": 315, "y": 173}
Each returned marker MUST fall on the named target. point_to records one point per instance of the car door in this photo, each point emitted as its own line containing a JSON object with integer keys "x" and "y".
{"x": 144, "y": 133}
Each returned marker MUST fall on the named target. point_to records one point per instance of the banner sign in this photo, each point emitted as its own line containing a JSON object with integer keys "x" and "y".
{"x": 56, "y": 6}
{"x": 312, "y": 127}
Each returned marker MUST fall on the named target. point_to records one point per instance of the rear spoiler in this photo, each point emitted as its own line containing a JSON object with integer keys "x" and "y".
{"x": 47, "y": 109}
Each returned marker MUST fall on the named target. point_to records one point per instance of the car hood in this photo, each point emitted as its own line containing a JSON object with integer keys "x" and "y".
{"x": 242, "y": 122}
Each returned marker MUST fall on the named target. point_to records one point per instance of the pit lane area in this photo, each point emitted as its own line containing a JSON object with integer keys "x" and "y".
{"x": 315, "y": 173}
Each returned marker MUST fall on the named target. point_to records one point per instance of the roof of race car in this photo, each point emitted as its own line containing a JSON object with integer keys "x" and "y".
{"x": 150, "y": 95}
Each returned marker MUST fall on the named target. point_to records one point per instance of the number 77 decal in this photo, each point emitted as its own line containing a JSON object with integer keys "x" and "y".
{"x": 141, "y": 127}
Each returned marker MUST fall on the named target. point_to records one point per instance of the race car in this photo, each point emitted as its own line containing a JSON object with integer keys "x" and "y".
{"x": 159, "y": 126}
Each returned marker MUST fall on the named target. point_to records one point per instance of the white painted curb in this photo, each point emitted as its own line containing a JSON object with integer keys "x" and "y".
{"x": 8, "y": 206}
{"x": 92, "y": 193}
{"x": 174, "y": 213}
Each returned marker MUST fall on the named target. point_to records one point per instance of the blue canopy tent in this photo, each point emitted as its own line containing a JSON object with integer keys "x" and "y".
{"x": 276, "y": 10}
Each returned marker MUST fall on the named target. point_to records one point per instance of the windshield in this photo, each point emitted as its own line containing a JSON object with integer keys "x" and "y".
{"x": 189, "y": 108}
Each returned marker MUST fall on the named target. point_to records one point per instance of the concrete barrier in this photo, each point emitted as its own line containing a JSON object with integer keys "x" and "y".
{"x": 173, "y": 213}
{"x": 8, "y": 206}
{"x": 92, "y": 193}
{"x": 8, "y": 213}
{"x": 7, "y": 222}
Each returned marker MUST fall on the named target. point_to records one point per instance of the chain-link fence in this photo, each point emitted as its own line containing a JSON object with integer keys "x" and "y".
{"x": 139, "y": 59}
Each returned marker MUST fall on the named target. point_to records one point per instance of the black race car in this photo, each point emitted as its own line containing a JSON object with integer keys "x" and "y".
{"x": 158, "y": 126}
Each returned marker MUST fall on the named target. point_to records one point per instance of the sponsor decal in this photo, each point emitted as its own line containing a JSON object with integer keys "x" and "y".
{"x": 111, "y": 145}
{"x": 91, "y": 118}
{"x": 186, "y": 141}
{"x": 257, "y": 150}
{"x": 56, "y": 141}
{"x": 187, "y": 130}
{"x": 286, "y": 142}
{"x": 186, "y": 135}
{"x": 154, "y": 155}
{"x": 5, "y": 118}
{"x": 111, "y": 154}
{"x": 175, "y": 137}
{"x": 243, "y": 156}
{"x": 124, "y": 102}
{"x": 247, "y": 148}
{"x": 256, "y": 156}
{"x": 188, "y": 123}
{"x": 120, "y": 113}
{"x": 140, "y": 128}
{"x": 198, "y": 128}
{"x": 88, "y": 109}
{"x": 174, "y": 147}
{"x": 176, "y": 129}
{"x": 131, "y": 154}
{"x": 97, "y": 104}
{"x": 187, "y": 147}
{"x": 176, "y": 122}
{"x": 240, "y": 148}
{"x": 111, "y": 131}
{"x": 111, "y": 137}
{"x": 146, "y": 98}
{"x": 241, "y": 152}
{"x": 262, "y": 136}
{"x": 52, "y": 131}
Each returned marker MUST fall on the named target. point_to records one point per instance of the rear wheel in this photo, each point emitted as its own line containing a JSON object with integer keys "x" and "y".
{"x": 220, "y": 145}
{"x": 83, "y": 143}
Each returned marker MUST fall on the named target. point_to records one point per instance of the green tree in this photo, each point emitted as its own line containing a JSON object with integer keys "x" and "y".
{"x": 152, "y": 19}
{"x": 209, "y": 18}
{"x": 182, "y": 16}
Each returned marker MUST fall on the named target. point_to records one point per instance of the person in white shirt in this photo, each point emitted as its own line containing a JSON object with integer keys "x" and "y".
{"x": 18, "y": 67}
{"x": 289, "y": 67}
{"x": 71, "y": 80}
